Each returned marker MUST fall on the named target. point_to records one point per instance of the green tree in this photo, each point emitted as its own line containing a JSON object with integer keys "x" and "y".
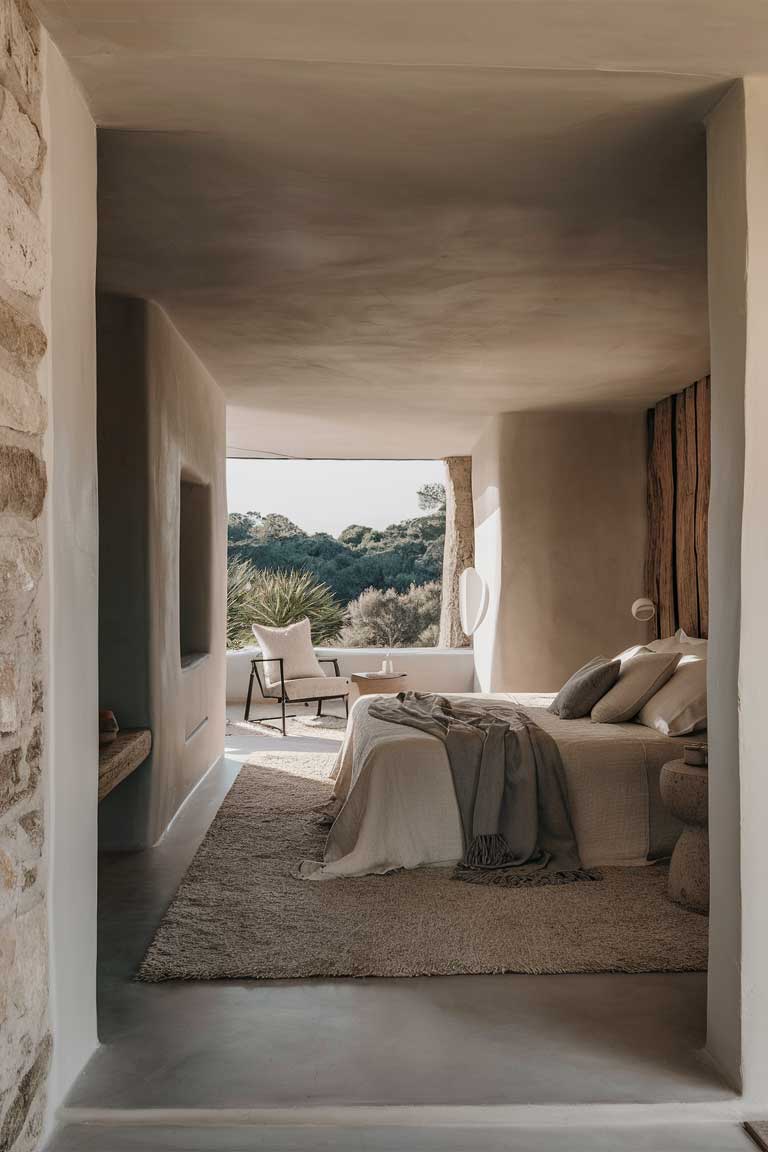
{"x": 431, "y": 497}
{"x": 389, "y": 619}
{"x": 276, "y": 599}
{"x": 402, "y": 554}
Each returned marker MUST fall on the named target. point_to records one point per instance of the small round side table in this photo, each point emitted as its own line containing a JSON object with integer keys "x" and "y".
{"x": 684, "y": 790}
{"x": 370, "y": 682}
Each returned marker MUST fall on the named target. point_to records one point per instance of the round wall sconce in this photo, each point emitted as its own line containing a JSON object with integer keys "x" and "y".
{"x": 643, "y": 609}
{"x": 473, "y": 600}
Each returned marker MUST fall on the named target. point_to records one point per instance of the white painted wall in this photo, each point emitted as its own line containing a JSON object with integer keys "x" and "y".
{"x": 726, "y": 161}
{"x": 754, "y": 618}
{"x": 72, "y": 572}
{"x": 428, "y": 669}
{"x": 560, "y": 530}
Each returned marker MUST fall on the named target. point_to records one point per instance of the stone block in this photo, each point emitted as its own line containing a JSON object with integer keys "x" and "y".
{"x": 12, "y": 781}
{"x": 21, "y": 405}
{"x": 19, "y": 138}
{"x": 23, "y": 262}
{"x": 22, "y": 482}
{"x": 9, "y": 715}
{"x": 19, "y": 47}
{"x": 32, "y": 825}
{"x": 21, "y": 563}
{"x": 25, "y": 1095}
{"x": 22, "y": 338}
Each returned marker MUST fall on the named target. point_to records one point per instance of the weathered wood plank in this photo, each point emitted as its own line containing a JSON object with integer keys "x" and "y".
{"x": 661, "y": 490}
{"x": 685, "y": 511}
{"x": 703, "y": 456}
{"x": 122, "y": 757}
{"x": 652, "y": 542}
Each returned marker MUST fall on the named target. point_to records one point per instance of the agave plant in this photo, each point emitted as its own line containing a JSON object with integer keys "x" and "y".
{"x": 239, "y": 587}
{"x": 276, "y": 599}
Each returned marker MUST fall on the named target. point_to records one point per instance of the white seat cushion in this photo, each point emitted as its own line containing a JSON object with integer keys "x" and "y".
{"x": 294, "y": 645}
{"x": 313, "y": 687}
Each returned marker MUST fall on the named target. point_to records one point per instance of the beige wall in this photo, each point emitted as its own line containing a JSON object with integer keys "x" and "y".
{"x": 726, "y": 159}
{"x": 738, "y": 783}
{"x": 72, "y": 573}
{"x": 161, "y": 416}
{"x": 560, "y": 526}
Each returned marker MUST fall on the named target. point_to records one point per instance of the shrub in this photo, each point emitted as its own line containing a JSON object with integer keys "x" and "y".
{"x": 276, "y": 599}
{"x": 391, "y": 619}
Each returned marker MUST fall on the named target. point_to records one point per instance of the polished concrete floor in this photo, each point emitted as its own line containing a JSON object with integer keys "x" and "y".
{"x": 234, "y": 1138}
{"x": 472, "y": 1042}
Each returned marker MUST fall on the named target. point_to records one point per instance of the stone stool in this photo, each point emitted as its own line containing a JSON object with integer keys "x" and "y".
{"x": 684, "y": 791}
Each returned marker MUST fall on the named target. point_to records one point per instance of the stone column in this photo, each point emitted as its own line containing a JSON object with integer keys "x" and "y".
{"x": 26, "y": 1045}
{"x": 459, "y": 546}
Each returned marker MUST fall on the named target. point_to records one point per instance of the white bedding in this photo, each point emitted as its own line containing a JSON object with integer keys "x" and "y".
{"x": 398, "y": 808}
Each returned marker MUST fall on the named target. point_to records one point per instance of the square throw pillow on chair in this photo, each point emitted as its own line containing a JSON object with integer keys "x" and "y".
{"x": 294, "y": 645}
{"x": 640, "y": 678}
{"x": 582, "y": 691}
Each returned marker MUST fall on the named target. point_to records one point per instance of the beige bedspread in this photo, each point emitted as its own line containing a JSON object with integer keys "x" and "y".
{"x": 398, "y": 808}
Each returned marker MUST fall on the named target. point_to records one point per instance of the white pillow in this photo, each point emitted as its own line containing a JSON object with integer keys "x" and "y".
{"x": 681, "y": 705}
{"x": 294, "y": 644}
{"x": 628, "y": 653}
{"x": 640, "y": 678}
{"x": 681, "y": 642}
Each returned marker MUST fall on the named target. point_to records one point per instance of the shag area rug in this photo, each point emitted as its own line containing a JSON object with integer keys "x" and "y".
{"x": 241, "y": 912}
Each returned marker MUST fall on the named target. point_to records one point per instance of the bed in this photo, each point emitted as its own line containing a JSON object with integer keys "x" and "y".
{"x": 397, "y": 809}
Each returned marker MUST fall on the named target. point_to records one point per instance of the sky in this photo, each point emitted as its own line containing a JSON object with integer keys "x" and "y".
{"x": 328, "y": 495}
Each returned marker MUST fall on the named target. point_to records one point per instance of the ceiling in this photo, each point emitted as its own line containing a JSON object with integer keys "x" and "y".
{"x": 380, "y": 222}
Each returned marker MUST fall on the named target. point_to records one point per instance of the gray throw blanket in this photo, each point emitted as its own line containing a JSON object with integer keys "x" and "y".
{"x": 510, "y": 788}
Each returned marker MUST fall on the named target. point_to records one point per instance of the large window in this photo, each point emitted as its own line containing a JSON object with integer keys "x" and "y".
{"x": 355, "y": 545}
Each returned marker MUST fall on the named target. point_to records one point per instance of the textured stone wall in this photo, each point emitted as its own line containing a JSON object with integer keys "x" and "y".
{"x": 24, "y": 1039}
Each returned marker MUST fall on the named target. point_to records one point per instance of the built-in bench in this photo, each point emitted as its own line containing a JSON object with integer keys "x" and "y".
{"x": 124, "y": 755}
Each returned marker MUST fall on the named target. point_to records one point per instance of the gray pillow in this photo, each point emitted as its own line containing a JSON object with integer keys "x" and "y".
{"x": 578, "y": 696}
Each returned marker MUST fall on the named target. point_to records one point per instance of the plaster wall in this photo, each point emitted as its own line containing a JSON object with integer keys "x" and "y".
{"x": 727, "y": 226}
{"x": 72, "y": 572}
{"x": 738, "y": 797}
{"x": 560, "y": 525}
{"x": 754, "y": 620}
{"x": 161, "y": 419}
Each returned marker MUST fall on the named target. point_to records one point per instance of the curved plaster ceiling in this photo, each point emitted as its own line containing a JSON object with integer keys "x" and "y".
{"x": 380, "y": 223}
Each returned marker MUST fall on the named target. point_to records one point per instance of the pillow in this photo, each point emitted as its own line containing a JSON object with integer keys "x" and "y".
{"x": 681, "y": 705}
{"x": 681, "y": 642}
{"x": 294, "y": 644}
{"x": 578, "y": 695}
{"x": 628, "y": 653}
{"x": 640, "y": 678}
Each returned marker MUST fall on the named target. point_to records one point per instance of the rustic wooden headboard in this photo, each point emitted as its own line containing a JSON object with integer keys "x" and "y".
{"x": 678, "y": 506}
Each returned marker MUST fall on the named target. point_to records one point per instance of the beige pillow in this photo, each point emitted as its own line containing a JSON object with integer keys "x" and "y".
{"x": 640, "y": 678}
{"x": 681, "y": 705}
{"x": 294, "y": 644}
{"x": 681, "y": 642}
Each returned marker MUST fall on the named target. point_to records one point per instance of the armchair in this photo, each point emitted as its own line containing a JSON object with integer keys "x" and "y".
{"x": 292, "y": 673}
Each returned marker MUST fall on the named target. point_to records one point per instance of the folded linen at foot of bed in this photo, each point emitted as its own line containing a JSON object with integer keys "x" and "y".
{"x": 394, "y": 802}
{"x": 397, "y": 807}
{"x": 485, "y": 761}
{"x": 509, "y": 785}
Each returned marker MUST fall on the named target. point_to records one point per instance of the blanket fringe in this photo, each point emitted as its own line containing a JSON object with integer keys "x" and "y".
{"x": 513, "y": 878}
{"x": 490, "y": 851}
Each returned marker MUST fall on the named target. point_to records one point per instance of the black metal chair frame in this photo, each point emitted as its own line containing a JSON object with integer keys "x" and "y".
{"x": 282, "y": 699}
